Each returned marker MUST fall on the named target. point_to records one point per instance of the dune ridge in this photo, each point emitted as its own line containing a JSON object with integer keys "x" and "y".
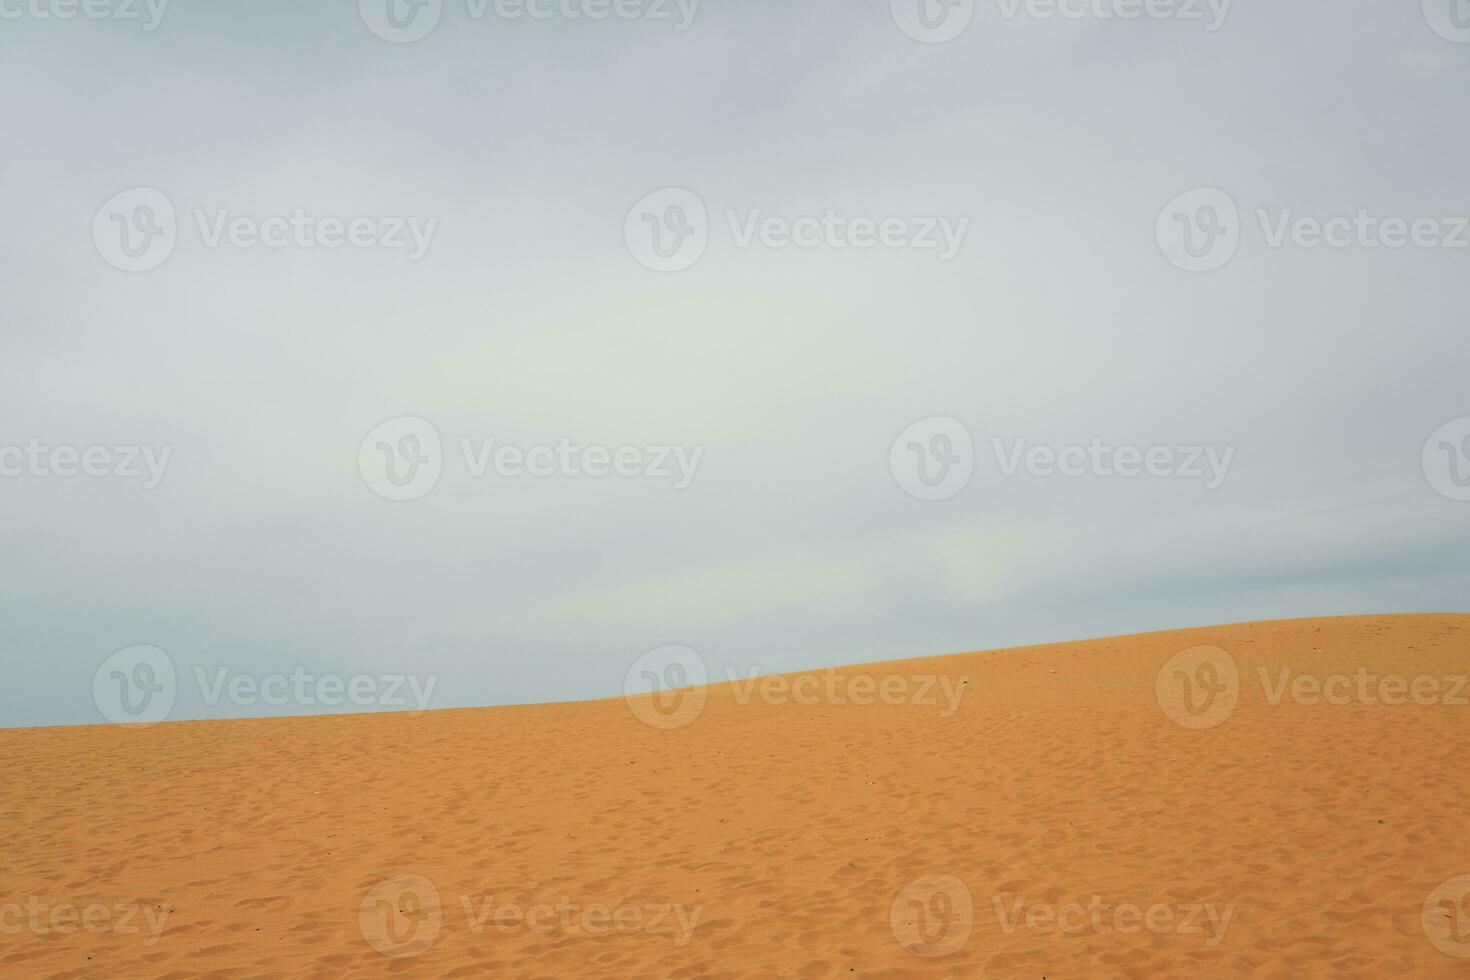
{"x": 1262, "y": 799}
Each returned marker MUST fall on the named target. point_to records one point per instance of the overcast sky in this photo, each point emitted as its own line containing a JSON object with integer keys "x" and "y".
{"x": 527, "y": 313}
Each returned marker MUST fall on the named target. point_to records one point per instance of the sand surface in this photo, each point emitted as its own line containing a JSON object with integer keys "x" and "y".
{"x": 1058, "y": 821}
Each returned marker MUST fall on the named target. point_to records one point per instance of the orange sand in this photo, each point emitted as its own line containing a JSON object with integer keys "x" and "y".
{"x": 781, "y": 840}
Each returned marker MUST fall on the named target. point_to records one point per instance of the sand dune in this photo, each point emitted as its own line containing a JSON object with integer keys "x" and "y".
{"x": 1290, "y": 803}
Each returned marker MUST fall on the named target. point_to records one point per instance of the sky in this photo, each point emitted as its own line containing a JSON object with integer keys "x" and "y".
{"x": 460, "y": 351}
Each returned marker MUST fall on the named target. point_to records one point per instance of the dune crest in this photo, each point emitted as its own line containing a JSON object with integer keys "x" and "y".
{"x": 1272, "y": 799}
